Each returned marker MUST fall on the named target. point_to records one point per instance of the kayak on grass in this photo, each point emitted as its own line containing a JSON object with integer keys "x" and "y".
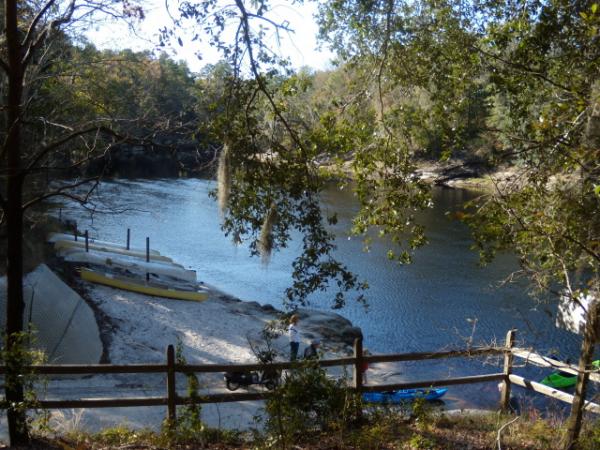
{"x": 403, "y": 395}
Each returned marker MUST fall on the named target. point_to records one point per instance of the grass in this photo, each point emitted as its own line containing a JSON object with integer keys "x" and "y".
{"x": 381, "y": 429}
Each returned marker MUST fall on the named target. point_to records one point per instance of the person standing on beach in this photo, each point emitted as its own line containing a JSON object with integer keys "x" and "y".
{"x": 294, "y": 337}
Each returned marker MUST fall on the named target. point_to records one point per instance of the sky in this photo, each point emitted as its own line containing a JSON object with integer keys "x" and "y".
{"x": 300, "y": 47}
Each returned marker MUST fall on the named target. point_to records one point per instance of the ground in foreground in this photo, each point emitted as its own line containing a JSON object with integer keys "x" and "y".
{"x": 383, "y": 429}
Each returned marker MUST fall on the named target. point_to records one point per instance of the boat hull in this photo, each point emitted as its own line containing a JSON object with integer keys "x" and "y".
{"x": 130, "y": 263}
{"x": 561, "y": 381}
{"x": 55, "y": 237}
{"x": 403, "y": 395}
{"x": 557, "y": 380}
{"x": 141, "y": 287}
{"x": 62, "y": 245}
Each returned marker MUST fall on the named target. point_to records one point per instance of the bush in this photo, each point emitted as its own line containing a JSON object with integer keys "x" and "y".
{"x": 308, "y": 403}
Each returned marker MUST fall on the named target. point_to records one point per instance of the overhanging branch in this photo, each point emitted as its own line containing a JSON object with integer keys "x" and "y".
{"x": 34, "y": 45}
{"x": 63, "y": 191}
{"x": 57, "y": 144}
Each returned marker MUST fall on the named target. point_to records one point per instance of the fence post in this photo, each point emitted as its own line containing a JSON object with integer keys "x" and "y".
{"x": 358, "y": 364}
{"x": 128, "y": 237}
{"x": 171, "y": 392}
{"x": 508, "y": 362}
{"x": 87, "y": 241}
{"x": 147, "y": 256}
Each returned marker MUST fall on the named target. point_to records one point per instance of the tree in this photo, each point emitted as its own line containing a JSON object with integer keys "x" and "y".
{"x": 269, "y": 179}
{"x": 30, "y": 58}
{"x": 537, "y": 66}
{"x": 520, "y": 77}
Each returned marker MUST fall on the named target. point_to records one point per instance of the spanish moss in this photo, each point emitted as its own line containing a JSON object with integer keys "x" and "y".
{"x": 265, "y": 241}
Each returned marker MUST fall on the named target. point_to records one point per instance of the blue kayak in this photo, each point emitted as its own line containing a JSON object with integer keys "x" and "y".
{"x": 403, "y": 395}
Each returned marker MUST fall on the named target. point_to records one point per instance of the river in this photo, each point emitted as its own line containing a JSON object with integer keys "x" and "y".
{"x": 443, "y": 300}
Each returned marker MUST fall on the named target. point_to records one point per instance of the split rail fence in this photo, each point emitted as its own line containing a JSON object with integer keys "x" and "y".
{"x": 172, "y": 399}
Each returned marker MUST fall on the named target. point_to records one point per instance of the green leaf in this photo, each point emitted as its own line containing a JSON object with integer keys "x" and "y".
{"x": 594, "y": 8}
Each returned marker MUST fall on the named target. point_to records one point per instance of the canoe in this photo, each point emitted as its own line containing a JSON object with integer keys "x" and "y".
{"x": 128, "y": 262}
{"x": 563, "y": 380}
{"x": 183, "y": 291}
{"x": 403, "y": 395}
{"x": 62, "y": 244}
{"x": 53, "y": 237}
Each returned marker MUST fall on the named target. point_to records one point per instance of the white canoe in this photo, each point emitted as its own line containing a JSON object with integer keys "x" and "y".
{"x": 61, "y": 245}
{"x": 54, "y": 237}
{"x": 128, "y": 262}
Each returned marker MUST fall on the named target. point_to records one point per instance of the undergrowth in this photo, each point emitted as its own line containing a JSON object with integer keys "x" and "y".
{"x": 311, "y": 411}
{"x": 378, "y": 429}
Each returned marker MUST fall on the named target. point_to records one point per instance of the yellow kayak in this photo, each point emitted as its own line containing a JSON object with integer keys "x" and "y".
{"x": 141, "y": 286}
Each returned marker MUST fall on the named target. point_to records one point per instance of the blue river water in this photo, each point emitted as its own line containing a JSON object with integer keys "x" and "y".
{"x": 442, "y": 301}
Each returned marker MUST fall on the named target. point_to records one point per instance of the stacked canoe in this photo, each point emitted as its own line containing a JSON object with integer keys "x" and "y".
{"x": 130, "y": 269}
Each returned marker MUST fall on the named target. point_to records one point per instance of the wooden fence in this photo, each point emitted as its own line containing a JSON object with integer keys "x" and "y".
{"x": 172, "y": 399}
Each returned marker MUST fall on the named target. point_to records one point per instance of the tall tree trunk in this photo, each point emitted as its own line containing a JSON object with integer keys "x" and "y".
{"x": 585, "y": 363}
{"x": 16, "y": 415}
{"x": 14, "y": 317}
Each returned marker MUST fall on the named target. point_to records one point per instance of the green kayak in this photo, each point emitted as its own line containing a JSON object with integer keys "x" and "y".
{"x": 563, "y": 379}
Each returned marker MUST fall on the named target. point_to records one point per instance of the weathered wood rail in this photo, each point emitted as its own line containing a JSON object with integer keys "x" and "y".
{"x": 172, "y": 399}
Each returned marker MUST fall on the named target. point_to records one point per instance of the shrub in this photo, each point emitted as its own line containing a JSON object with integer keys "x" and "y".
{"x": 21, "y": 356}
{"x": 590, "y": 438}
{"x": 309, "y": 402}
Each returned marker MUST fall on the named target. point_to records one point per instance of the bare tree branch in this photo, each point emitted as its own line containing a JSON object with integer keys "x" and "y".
{"x": 32, "y": 46}
{"x": 53, "y": 146}
{"x": 264, "y": 89}
{"x": 33, "y": 25}
{"x": 63, "y": 191}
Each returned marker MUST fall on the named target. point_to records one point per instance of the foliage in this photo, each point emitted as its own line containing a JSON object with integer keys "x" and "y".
{"x": 418, "y": 441}
{"x": 591, "y": 435}
{"x": 380, "y": 426}
{"x": 269, "y": 181}
{"x": 524, "y": 78}
{"x": 530, "y": 70}
{"x": 189, "y": 422}
{"x": 547, "y": 216}
{"x": 382, "y": 431}
{"x": 307, "y": 403}
{"x": 18, "y": 358}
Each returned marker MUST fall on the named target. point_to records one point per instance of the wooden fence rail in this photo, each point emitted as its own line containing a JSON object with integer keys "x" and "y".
{"x": 543, "y": 361}
{"x": 172, "y": 399}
